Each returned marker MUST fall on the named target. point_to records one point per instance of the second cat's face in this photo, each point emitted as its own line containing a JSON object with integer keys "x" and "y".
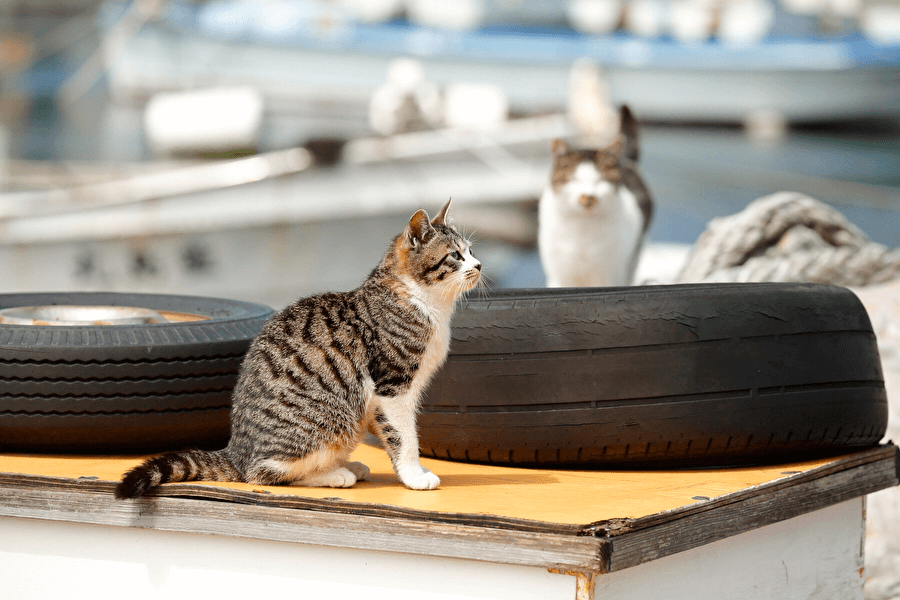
{"x": 586, "y": 180}
{"x": 589, "y": 181}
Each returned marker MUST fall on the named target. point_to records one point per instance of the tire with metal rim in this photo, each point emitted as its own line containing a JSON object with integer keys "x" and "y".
{"x": 682, "y": 375}
{"x": 122, "y": 387}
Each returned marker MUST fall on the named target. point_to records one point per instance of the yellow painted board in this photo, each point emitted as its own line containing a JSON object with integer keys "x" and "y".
{"x": 553, "y": 496}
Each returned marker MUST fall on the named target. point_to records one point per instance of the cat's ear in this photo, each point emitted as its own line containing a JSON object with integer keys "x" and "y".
{"x": 441, "y": 218}
{"x": 629, "y": 134}
{"x": 418, "y": 230}
{"x": 559, "y": 147}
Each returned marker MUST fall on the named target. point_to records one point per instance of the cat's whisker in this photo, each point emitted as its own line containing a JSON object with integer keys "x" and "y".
{"x": 485, "y": 285}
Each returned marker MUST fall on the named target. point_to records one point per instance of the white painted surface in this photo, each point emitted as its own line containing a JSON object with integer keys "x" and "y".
{"x": 882, "y": 302}
{"x": 44, "y": 559}
{"x": 815, "y": 556}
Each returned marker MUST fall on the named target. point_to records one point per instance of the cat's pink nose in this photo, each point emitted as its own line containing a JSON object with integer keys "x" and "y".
{"x": 587, "y": 201}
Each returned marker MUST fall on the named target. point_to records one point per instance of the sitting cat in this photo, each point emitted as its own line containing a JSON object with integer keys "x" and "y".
{"x": 594, "y": 213}
{"x": 329, "y": 367}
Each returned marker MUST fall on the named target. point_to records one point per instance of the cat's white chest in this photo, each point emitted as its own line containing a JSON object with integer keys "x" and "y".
{"x": 590, "y": 231}
{"x": 437, "y": 349}
{"x": 438, "y": 344}
{"x": 439, "y": 313}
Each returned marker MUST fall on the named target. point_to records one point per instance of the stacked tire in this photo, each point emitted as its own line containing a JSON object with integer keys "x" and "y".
{"x": 111, "y": 388}
{"x": 683, "y": 375}
{"x": 687, "y": 375}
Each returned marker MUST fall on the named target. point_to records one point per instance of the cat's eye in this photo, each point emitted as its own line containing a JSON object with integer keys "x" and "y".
{"x": 455, "y": 254}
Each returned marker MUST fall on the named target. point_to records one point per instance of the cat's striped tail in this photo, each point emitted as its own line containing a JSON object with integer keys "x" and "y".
{"x": 190, "y": 465}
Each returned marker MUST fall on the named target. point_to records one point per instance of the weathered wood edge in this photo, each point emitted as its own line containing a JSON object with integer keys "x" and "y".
{"x": 757, "y": 510}
{"x": 307, "y": 520}
{"x": 606, "y": 528}
{"x": 263, "y": 498}
{"x": 566, "y": 552}
{"x": 616, "y": 527}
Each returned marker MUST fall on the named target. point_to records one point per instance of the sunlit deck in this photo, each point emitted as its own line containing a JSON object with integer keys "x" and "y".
{"x": 595, "y": 525}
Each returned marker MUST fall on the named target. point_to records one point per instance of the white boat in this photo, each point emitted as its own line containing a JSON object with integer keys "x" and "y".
{"x": 299, "y": 55}
{"x": 268, "y": 228}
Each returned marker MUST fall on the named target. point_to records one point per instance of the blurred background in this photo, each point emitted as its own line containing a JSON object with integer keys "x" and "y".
{"x": 268, "y": 150}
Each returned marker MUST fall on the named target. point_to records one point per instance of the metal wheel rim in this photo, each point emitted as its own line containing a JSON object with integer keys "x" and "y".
{"x": 71, "y": 315}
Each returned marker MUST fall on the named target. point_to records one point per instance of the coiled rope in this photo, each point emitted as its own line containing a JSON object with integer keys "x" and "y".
{"x": 789, "y": 236}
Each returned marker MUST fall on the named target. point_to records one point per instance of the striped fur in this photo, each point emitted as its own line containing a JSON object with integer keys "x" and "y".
{"x": 330, "y": 367}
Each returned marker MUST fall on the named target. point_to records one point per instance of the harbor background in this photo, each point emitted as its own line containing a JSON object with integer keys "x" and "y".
{"x": 228, "y": 148}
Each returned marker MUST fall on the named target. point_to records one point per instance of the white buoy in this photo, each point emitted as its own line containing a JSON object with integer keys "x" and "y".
{"x": 211, "y": 120}
{"x": 881, "y": 23}
{"x": 475, "y": 106}
{"x": 805, "y": 7}
{"x": 595, "y": 17}
{"x": 647, "y": 18}
{"x": 745, "y": 21}
{"x": 446, "y": 14}
{"x": 847, "y": 9}
{"x": 373, "y": 11}
{"x": 693, "y": 20}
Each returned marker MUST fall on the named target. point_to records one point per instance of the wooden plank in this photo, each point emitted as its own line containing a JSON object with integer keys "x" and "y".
{"x": 677, "y": 535}
{"x": 470, "y": 493}
{"x": 567, "y": 552}
{"x": 790, "y": 478}
{"x": 245, "y": 511}
{"x": 490, "y": 495}
{"x": 260, "y": 496}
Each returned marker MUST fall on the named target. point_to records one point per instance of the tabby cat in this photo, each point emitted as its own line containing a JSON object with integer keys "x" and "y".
{"x": 594, "y": 213}
{"x": 329, "y": 367}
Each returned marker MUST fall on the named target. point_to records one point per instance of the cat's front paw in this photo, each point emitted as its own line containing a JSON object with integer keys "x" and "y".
{"x": 424, "y": 480}
{"x": 360, "y": 470}
{"x": 341, "y": 477}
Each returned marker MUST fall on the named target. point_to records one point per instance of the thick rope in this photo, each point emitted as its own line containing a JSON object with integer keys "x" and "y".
{"x": 789, "y": 237}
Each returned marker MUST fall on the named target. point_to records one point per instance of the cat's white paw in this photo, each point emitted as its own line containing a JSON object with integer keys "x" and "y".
{"x": 338, "y": 478}
{"x": 360, "y": 470}
{"x": 424, "y": 480}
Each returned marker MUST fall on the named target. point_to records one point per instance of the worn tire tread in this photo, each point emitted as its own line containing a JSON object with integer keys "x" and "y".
{"x": 122, "y": 387}
{"x": 660, "y": 375}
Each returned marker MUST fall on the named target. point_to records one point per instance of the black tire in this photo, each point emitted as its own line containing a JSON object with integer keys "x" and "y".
{"x": 123, "y": 387}
{"x": 683, "y": 375}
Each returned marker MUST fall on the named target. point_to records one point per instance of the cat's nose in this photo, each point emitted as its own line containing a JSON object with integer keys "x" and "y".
{"x": 478, "y": 266}
{"x": 587, "y": 200}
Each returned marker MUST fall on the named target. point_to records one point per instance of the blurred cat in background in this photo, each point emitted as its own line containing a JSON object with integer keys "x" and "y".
{"x": 594, "y": 212}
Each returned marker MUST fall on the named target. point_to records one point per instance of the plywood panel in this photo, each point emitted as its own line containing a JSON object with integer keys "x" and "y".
{"x": 462, "y": 526}
{"x": 552, "y": 496}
